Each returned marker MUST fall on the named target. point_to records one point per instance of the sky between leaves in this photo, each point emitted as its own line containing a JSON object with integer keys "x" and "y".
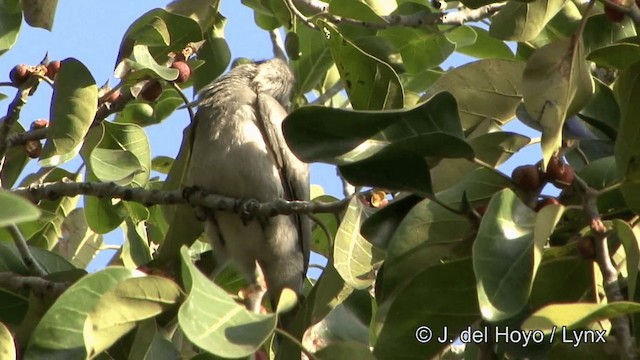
{"x": 91, "y": 31}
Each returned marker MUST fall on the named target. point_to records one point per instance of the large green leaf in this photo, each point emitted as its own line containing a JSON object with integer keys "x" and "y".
{"x": 346, "y": 350}
{"x": 314, "y": 61}
{"x": 53, "y": 337}
{"x": 216, "y": 54}
{"x": 14, "y": 162}
{"x": 121, "y": 307}
{"x": 556, "y": 84}
{"x": 620, "y": 55}
{"x": 79, "y": 244}
{"x": 560, "y": 280}
{"x": 39, "y": 13}
{"x": 576, "y": 315}
{"x": 73, "y": 108}
{"x": 11, "y": 19}
{"x": 370, "y": 83}
{"x": 149, "y": 343}
{"x": 485, "y": 46}
{"x": 391, "y": 149}
{"x": 214, "y": 322}
{"x": 354, "y": 257}
{"x": 369, "y": 10}
{"x": 627, "y": 148}
{"x": 507, "y": 252}
{"x": 518, "y": 21}
{"x": 483, "y": 89}
{"x": 16, "y": 209}
{"x": 204, "y": 12}
{"x": 136, "y": 249}
{"x": 421, "y": 49}
{"x": 600, "y": 32}
{"x": 49, "y": 228}
{"x": 441, "y": 298}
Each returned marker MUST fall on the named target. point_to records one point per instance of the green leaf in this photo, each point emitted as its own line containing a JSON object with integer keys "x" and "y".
{"x": 15, "y": 161}
{"x": 485, "y": 46}
{"x": 492, "y": 149}
{"x": 627, "y": 147}
{"x": 600, "y": 32}
{"x": 345, "y": 350}
{"x": 421, "y": 49}
{"x": 523, "y": 21}
{"x": 154, "y": 33}
{"x": 7, "y": 344}
{"x": 216, "y": 54}
{"x": 369, "y": 11}
{"x": 140, "y": 112}
{"x": 204, "y": 12}
{"x": 619, "y": 56}
{"x": 182, "y": 30}
{"x": 560, "y": 280}
{"x": 372, "y": 147}
{"x": 120, "y": 308}
{"x": 136, "y": 250}
{"x": 576, "y": 315}
{"x": 149, "y": 343}
{"x": 314, "y": 62}
{"x": 122, "y": 155}
{"x": 507, "y": 252}
{"x": 11, "y": 19}
{"x": 371, "y": 84}
{"x": 73, "y": 108}
{"x": 53, "y": 337}
{"x": 162, "y": 164}
{"x": 214, "y": 322}
{"x": 454, "y": 308}
{"x": 354, "y": 257}
{"x": 483, "y": 89}
{"x": 556, "y": 84}
{"x": 49, "y": 228}
{"x": 39, "y": 13}
{"x": 602, "y": 112}
{"x": 142, "y": 64}
{"x": 16, "y": 209}
{"x": 79, "y": 244}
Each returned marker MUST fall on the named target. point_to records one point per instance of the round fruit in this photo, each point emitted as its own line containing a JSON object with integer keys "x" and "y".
{"x": 33, "y": 148}
{"x": 526, "y": 177}
{"x": 546, "y": 201}
{"x": 560, "y": 173}
{"x": 151, "y": 90}
{"x": 52, "y": 68}
{"x": 586, "y": 247}
{"x": 39, "y": 124}
{"x": 612, "y": 14}
{"x": 19, "y": 74}
{"x": 184, "y": 71}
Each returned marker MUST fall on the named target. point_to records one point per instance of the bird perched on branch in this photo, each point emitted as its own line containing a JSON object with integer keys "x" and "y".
{"x": 239, "y": 151}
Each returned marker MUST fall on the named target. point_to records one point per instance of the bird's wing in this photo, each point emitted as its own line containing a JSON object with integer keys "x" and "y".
{"x": 295, "y": 179}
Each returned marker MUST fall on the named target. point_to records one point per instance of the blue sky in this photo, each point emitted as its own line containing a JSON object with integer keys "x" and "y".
{"x": 91, "y": 31}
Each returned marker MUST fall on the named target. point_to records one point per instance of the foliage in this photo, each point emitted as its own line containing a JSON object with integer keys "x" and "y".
{"x": 444, "y": 245}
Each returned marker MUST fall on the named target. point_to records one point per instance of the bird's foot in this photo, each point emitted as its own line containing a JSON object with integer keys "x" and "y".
{"x": 248, "y": 209}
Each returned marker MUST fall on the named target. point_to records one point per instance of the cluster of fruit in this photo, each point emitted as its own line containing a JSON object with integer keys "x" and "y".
{"x": 153, "y": 88}
{"x": 21, "y": 73}
{"x": 531, "y": 178}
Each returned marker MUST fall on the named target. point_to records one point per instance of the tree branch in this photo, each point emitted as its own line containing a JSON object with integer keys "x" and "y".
{"x": 57, "y": 189}
{"x": 27, "y": 258}
{"x": 621, "y": 324}
{"x": 18, "y": 283}
{"x": 13, "y": 113}
{"x": 419, "y": 19}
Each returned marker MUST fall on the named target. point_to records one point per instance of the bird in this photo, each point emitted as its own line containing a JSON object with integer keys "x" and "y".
{"x": 239, "y": 151}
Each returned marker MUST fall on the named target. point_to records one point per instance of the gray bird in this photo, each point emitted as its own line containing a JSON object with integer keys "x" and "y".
{"x": 239, "y": 151}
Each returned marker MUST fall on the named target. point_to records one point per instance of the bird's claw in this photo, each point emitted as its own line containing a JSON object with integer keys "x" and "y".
{"x": 248, "y": 209}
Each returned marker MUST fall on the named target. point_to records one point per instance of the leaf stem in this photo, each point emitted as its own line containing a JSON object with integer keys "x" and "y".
{"x": 297, "y": 342}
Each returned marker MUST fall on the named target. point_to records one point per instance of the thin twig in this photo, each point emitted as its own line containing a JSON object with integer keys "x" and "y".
{"x": 28, "y": 259}
{"x": 331, "y": 92}
{"x": 187, "y": 103}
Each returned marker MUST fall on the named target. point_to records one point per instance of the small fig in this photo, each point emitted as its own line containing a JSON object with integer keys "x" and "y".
{"x": 151, "y": 90}
{"x": 586, "y": 247}
{"x": 33, "y": 148}
{"x": 546, "y": 201}
{"x": 19, "y": 74}
{"x": 184, "y": 71}
{"x": 526, "y": 177}
{"x": 560, "y": 173}
{"x": 52, "y": 68}
{"x": 39, "y": 124}
{"x": 614, "y": 15}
